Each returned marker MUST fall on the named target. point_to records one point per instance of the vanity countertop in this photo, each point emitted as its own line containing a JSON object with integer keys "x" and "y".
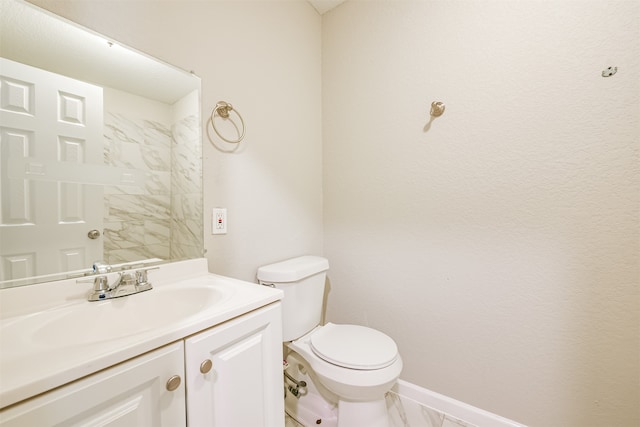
{"x": 42, "y": 345}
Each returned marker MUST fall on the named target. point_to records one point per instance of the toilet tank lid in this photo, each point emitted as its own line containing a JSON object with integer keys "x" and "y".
{"x": 293, "y": 269}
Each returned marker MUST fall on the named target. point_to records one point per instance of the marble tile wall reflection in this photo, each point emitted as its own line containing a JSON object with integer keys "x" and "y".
{"x": 186, "y": 190}
{"x": 163, "y": 219}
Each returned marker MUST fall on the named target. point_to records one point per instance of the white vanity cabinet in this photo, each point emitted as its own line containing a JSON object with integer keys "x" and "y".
{"x": 224, "y": 376}
{"x": 133, "y": 393}
{"x": 234, "y": 372}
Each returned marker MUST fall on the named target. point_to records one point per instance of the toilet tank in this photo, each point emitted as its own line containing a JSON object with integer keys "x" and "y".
{"x": 302, "y": 281}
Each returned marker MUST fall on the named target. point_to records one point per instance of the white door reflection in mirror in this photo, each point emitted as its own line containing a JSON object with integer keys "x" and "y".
{"x": 51, "y": 129}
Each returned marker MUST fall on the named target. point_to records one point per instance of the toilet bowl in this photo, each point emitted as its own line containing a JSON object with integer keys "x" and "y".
{"x": 354, "y": 362}
{"x": 354, "y": 366}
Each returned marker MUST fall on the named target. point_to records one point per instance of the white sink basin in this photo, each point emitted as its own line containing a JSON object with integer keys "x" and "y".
{"x": 85, "y": 322}
{"x": 125, "y": 316}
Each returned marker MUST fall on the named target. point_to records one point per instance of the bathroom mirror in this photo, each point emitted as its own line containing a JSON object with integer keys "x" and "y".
{"x": 100, "y": 152}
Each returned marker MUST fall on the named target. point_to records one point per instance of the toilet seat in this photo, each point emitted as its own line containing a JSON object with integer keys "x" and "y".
{"x": 353, "y": 346}
{"x": 359, "y": 384}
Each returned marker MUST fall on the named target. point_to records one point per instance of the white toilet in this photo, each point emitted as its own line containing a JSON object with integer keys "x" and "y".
{"x": 350, "y": 367}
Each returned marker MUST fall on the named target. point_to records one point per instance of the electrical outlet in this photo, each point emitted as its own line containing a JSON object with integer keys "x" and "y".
{"x": 219, "y": 221}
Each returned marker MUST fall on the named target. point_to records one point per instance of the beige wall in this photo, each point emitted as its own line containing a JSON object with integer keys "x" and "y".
{"x": 500, "y": 247}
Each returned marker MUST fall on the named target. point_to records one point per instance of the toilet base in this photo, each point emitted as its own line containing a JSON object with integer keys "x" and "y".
{"x": 311, "y": 411}
{"x": 309, "y": 407}
{"x": 314, "y": 405}
{"x": 363, "y": 414}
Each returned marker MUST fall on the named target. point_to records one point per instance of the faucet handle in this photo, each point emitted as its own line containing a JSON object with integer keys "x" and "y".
{"x": 141, "y": 275}
{"x": 100, "y": 284}
{"x": 101, "y": 267}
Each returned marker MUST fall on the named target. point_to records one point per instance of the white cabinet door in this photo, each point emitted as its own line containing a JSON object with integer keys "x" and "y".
{"x": 244, "y": 386}
{"x": 133, "y": 393}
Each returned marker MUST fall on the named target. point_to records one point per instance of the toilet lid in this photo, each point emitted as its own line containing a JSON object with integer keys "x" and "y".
{"x": 353, "y": 346}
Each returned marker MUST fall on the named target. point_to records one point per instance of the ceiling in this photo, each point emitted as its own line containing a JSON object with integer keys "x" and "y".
{"x": 323, "y": 6}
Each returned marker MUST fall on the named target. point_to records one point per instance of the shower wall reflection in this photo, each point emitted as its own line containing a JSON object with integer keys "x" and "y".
{"x": 162, "y": 219}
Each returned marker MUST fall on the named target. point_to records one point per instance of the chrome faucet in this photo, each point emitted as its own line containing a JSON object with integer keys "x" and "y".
{"x": 127, "y": 283}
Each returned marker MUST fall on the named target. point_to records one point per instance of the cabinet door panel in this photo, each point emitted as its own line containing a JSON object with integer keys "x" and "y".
{"x": 132, "y": 393}
{"x": 244, "y": 387}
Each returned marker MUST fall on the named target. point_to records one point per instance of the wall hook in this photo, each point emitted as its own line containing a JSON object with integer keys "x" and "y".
{"x": 437, "y": 108}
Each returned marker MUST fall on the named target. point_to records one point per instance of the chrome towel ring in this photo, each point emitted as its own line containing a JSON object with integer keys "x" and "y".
{"x": 222, "y": 109}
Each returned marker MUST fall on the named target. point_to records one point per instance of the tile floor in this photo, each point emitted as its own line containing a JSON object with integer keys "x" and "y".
{"x": 405, "y": 412}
